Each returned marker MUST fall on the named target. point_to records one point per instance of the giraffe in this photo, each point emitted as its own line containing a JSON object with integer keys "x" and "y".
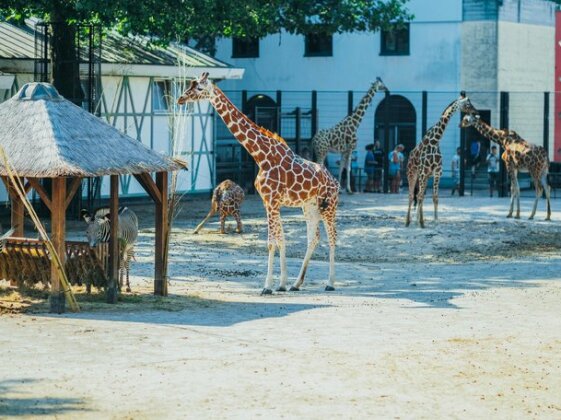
{"x": 284, "y": 180}
{"x": 342, "y": 137}
{"x": 425, "y": 160}
{"x": 227, "y": 198}
{"x": 518, "y": 155}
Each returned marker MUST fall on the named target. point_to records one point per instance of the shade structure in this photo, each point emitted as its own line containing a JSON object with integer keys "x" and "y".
{"x": 47, "y": 136}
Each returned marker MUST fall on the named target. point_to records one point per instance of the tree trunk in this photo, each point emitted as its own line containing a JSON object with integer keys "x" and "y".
{"x": 65, "y": 64}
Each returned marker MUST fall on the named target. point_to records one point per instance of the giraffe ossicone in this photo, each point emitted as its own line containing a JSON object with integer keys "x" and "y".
{"x": 342, "y": 138}
{"x": 518, "y": 155}
{"x": 284, "y": 180}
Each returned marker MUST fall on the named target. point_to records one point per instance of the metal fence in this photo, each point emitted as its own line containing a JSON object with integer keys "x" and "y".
{"x": 393, "y": 118}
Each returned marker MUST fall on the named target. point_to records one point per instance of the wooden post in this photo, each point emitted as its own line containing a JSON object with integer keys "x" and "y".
{"x": 58, "y": 227}
{"x": 160, "y": 282}
{"x": 17, "y": 212}
{"x": 112, "y": 289}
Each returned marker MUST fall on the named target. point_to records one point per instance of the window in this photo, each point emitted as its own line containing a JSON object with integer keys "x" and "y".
{"x": 319, "y": 45}
{"x": 395, "y": 41}
{"x": 245, "y": 47}
{"x": 161, "y": 90}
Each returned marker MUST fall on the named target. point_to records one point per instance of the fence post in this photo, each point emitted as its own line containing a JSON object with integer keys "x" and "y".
{"x": 504, "y": 106}
{"x": 424, "y": 113}
{"x": 386, "y": 139}
{"x": 314, "y": 112}
{"x": 298, "y": 134}
{"x": 546, "y": 122}
{"x": 244, "y": 102}
{"x": 350, "y": 102}
{"x": 279, "y": 112}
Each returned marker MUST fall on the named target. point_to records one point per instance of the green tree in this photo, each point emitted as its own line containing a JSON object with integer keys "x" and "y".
{"x": 200, "y": 20}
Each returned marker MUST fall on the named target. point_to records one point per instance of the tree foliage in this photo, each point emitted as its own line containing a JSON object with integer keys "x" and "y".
{"x": 181, "y": 20}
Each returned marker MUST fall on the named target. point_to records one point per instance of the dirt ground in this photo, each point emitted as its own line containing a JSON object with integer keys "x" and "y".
{"x": 458, "y": 320}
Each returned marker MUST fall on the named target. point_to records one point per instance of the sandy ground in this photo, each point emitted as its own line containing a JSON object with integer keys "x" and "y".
{"x": 458, "y": 320}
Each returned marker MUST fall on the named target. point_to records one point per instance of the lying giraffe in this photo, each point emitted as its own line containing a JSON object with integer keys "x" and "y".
{"x": 226, "y": 200}
{"x": 518, "y": 155}
{"x": 284, "y": 180}
{"x": 342, "y": 137}
{"x": 425, "y": 160}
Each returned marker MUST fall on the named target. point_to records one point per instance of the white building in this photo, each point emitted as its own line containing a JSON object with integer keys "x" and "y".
{"x": 481, "y": 46}
{"x": 139, "y": 84}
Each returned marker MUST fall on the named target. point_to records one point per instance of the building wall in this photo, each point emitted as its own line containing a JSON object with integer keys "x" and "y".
{"x": 127, "y": 105}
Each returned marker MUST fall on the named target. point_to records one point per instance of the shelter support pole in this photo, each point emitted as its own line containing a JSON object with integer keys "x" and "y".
{"x": 112, "y": 290}
{"x": 160, "y": 281}
{"x": 58, "y": 229}
{"x": 17, "y": 209}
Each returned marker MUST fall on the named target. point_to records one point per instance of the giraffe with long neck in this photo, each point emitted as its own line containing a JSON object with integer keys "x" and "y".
{"x": 342, "y": 137}
{"x": 425, "y": 160}
{"x": 284, "y": 180}
{"x": 518, "y": 155}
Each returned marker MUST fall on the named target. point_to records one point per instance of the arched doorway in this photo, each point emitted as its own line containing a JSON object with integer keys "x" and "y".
{"x": 402, "y": 123}
{"x": 264, "y": 111}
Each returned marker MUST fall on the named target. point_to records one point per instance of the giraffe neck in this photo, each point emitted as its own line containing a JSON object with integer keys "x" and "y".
{"x": 446, "y": 116}
{"x": 358, "y": 113}
{"x": 258, "y": 143}
{"x": 498, "y": 136}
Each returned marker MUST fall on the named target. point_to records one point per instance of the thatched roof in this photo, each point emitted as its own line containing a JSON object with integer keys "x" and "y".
{"x": 47, "y": 136}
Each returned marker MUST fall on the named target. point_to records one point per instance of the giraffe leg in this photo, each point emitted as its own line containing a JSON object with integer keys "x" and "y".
{"x": 276, "y": 238}
{"x": 539, "y": 191}
{"x": 412, "y": 181}
{"x": 349, "y": 164}
{"x": 238, "y": 218}
{"x": 222, "y": 223}
{"x": 208, "y": 216}
{"x": 311, "y": 212}
{"x": 517, "y": 186}
{"x": 420, "y": 199}
{"x": 547, "y": 190}
{"x": 435, "y": 187}
{"x": 512, "y": 197}
{"x": 329, "y": 223}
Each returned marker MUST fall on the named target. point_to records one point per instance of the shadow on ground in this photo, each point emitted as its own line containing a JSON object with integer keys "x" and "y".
{"x": 14, "y": 401}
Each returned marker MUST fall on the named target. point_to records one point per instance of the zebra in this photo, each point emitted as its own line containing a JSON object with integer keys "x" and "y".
{"x": 4, "y": 238}
{"x": 99, "y": 229}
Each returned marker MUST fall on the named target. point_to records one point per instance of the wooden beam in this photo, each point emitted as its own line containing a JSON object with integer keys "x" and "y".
{"x": 160, "y": 282}
{"x": 58, "y": 229}
{"x": 146, "y": 181}
{"x": 42, "y": 193}
{"x": 76, "y": 182}
{"x": 112, "y": 289}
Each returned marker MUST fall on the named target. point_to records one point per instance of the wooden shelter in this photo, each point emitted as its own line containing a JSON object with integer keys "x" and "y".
{"x": 47, "y": 136}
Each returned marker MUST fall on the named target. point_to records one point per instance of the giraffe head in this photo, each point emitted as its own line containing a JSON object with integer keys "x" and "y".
{"x": 465, "y": 104}
{"x": 469, "y": 120}
{"x": 199, "y": 89}
{"x": 378, "y": 85}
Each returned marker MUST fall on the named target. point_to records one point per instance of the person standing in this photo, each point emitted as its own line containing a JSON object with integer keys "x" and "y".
{"x": 493, "y": 165}
{"x": 394, "y": 171}
{"x": 369, "y": 168}
{"x": 378, "y": 153}
{"x": 475, "y": 151}
{"x": 456, "y": 171}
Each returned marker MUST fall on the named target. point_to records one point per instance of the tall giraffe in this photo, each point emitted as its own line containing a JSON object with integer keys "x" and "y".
{"x": 518, "y": 155}
{"x": 284, "y": 180}
{"x": 425, "y": 160}
{"x": 342, "y": 137}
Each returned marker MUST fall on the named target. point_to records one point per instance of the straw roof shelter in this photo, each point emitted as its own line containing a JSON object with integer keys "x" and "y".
{"x": 47, "y": 136}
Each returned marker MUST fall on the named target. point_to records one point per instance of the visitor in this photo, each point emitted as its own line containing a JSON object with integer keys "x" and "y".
{"x": 456, "y": 171}
{"x": 378, "y": 153}
{"x": 394, "y": 170}
{"x": 493, "y": 164}
{"x": 369, "y": 169}
{"x": 474, "y": 152}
